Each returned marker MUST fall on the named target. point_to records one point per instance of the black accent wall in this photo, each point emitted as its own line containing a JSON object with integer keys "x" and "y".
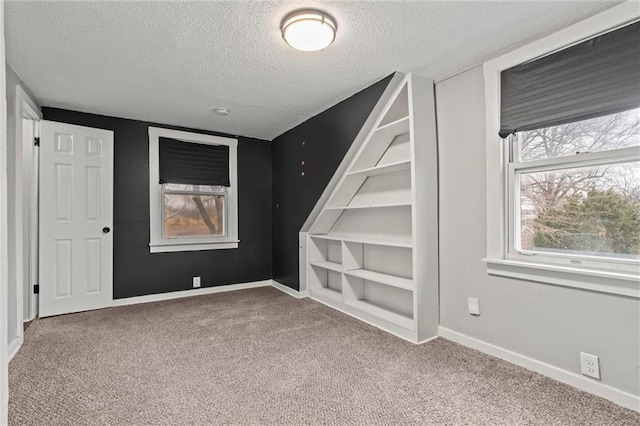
{"x": 321, "y": 142}
{"x": 138, "y": 272}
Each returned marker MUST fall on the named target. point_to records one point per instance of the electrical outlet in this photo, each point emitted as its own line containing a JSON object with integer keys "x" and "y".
{"x": 196, "y": 282}
{"x": 590, "y": 365}
{"x": 474, "y": 306}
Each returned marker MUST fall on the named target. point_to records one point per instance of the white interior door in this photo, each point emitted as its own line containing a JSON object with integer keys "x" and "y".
{"x": 76, "y": 217}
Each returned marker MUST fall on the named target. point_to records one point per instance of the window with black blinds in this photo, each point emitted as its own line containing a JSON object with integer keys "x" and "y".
{"x": 193, "y": 163}
{"x": 597, "y": 77}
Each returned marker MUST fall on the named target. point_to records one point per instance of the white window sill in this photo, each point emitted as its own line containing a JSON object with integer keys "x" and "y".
{"x": 586, "y": 279}
{"x": 171, "y": 246}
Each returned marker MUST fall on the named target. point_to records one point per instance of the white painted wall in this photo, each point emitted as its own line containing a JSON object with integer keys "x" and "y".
{"x": 548, "y": 323}
{"x": 4, "y": 379}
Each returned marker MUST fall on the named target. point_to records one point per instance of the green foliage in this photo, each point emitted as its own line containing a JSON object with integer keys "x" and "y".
{"x": 600, "y": 222}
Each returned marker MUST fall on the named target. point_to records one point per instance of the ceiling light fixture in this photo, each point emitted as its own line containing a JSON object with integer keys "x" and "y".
{"x": 308, "y": 30}
{"x": 221, "y": 111}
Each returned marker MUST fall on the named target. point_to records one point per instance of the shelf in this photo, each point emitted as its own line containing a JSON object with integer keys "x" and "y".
{"x": 380, "y": 141}
{"x": 381, "y": 170}
{"x": 406, "y": 243}
{"x": 398, "y": 108}
{"x": 385, "y": 313}
{"x": 385, "y": 134}
{"x": 399, "y": 126}
{"x": 333, "y": 266}
{"x": 375, "y": 206}
{"x": 390, "y": 280}
{"x": 330, "y": 293}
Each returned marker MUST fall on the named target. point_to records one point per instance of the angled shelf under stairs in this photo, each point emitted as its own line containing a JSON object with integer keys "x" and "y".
{"x": 371, "y": 250}
{"x": 384, "y": 169}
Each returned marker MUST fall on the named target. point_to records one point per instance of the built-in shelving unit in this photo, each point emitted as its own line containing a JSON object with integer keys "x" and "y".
{"x": 371, "y": 251}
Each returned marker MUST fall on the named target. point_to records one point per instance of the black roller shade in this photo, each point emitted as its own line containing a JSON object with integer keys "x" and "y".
{"x": 193, "y": 163}
{"x": 597, "y": 77}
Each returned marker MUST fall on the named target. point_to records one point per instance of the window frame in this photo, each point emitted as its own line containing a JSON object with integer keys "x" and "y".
{"x": 532, "y": 268}
{"x": 158, "y": 243}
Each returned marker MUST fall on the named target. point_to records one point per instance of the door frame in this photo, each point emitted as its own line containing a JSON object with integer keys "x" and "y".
{"x": 25, "y": 108}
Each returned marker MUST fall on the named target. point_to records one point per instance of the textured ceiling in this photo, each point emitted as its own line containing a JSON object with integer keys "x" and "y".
{"x": 173, "y": 62}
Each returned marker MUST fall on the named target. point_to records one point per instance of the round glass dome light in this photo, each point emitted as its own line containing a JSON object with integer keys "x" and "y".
{"x": 308, "y": 30}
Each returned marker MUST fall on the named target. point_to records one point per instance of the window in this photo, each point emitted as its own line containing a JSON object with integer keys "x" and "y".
{"x": 563, "y": 157}
{"x": 194, "y": 211}
{"x": 574, "y": 193}
{"x": 193, "y": 191}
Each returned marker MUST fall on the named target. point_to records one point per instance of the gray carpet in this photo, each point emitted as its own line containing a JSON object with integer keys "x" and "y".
{"x": 262, "y": 357}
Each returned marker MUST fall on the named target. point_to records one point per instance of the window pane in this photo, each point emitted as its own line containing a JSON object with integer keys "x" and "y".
{"x": 591, "y": 211}
{"x": 193, "y": 215}
{"x": 598, "y": 134}
{"x": 196, "y": 188}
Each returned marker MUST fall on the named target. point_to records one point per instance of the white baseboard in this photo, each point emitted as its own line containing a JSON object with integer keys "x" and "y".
{"x": 583, "y": 383}
{"x": 14, "y": 347}
{"x": 289, "y": 290}
{"x": 189, "y": 293}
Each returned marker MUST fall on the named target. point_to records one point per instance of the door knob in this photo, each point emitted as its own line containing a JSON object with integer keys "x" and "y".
{"x": 106, "y": 230}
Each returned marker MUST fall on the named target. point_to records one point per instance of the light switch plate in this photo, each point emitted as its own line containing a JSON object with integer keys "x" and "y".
{"x": 474, "y": 306}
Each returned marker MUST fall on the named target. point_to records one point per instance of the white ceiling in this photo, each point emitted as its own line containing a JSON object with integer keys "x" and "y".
{"x": 173, "y": 62}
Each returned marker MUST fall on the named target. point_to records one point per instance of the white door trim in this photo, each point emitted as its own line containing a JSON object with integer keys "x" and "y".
{"x": 25, "y": 108}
